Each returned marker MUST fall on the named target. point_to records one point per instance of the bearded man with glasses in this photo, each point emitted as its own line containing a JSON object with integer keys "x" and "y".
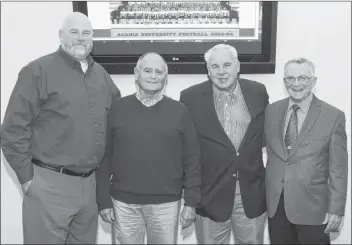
{"x": 306, "y": 171}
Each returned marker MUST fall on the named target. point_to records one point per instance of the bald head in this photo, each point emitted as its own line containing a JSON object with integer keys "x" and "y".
{"x": 74, "y": 18}
{"x": 76, "y": 35}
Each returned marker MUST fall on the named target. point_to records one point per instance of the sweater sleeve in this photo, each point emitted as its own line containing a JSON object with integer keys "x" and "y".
{"x": 191, "y": 162}
{"x": 103, "y": 174}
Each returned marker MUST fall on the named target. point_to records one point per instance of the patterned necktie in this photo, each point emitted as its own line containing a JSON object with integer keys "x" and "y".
{"x": 292, "y": 129}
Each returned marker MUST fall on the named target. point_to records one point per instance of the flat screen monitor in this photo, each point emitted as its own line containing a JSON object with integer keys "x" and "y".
{"x": 181, "y": 31}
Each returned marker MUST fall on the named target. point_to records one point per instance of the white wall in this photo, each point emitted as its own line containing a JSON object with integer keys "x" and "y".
{"x": 320, "y": 31}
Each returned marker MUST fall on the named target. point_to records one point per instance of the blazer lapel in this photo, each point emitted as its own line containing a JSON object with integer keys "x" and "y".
{"x": 281, "y": 127}
{"x": 248, "y": 98}
{"x": 217, "y": 130}
{"x": 253, "y": 108}
{"x": 308, "y": 123}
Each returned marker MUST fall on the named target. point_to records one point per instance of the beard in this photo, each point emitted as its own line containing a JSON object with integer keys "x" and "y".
{"x": 78, "y": 51}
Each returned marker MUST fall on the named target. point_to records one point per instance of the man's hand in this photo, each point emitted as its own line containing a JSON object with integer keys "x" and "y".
{"x": 25, "y": 186}
{"x": 108, "y": 215}
{"x": 333, "y": 221}
{"x": 188, "y": 215}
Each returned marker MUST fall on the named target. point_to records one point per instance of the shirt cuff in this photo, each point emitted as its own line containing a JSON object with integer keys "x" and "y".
{"x": 25, "y": 174}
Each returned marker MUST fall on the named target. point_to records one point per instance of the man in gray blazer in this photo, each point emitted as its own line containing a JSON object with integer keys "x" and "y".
{"x": 306, "y": 171}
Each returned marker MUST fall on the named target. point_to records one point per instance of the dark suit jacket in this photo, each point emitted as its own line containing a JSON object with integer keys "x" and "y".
{"x": 314, "y": 174}
{"x": 219, "y": 159}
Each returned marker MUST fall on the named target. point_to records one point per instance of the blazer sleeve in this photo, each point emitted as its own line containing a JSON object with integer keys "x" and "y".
{"x": 338, "y": 167}
{"x": 191, "y": 162}
{"x": 266, "y": 103}
{"x": 183, "y": 99}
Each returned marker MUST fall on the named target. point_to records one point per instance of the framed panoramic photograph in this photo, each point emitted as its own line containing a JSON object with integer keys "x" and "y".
{"x": 181, "y": 31}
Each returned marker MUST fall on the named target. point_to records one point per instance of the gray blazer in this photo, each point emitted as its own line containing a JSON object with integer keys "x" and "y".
{"x": 314, "y": 174}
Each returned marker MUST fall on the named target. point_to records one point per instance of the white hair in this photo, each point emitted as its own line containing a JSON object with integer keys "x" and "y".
{"x": 227, "y": 47}
{"x": 139, "y": 62}
{"x": 300, "y": 60}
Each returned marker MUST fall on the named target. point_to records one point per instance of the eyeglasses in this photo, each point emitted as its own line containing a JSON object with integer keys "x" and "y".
{"x": 301, "y": 79}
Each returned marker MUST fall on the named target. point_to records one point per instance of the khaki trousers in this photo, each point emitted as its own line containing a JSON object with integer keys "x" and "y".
{"x": 246, "y": 231}
{"x": 60, "y": 209}
{"x": 158, "y": 222}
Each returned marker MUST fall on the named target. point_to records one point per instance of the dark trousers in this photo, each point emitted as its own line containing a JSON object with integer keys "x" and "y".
{"x": 282, "y": 231}
{"x": 60, "y": 209}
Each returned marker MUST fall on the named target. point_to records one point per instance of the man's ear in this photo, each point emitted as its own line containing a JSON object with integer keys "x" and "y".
{"x": 165, "y": 85}
{"x": 208, "y": 70}
{"x": 61, "y": 35}
{"x": 136, "y": 74}
{"x": 314, "y": 82}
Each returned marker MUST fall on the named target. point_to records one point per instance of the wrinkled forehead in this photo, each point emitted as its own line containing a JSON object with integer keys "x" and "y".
{"x": 295, "y": 69}
{"x": 153, "y": 62}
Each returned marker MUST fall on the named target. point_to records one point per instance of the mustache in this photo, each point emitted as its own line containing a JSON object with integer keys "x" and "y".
{"x": 82, "y": 44}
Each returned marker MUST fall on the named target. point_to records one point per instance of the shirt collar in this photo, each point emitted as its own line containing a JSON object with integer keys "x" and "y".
{"x": 303, "y": 105}
{"x": 72, "y": 61}
{"x": 149, "y": 102}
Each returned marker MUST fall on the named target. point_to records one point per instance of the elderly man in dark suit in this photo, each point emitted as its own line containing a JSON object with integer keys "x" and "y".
{"x": 228, "y": 113}
{"x": 306, "y": 172}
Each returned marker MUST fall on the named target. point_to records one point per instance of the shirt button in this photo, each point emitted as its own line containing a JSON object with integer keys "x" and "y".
{"x": 234, "y": 175}
{"x": 237, "y": 153}
{"x": 282, "y": 180}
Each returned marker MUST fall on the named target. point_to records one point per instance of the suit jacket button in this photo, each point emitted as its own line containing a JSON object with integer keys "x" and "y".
{"x": 237, "y": 154}
{"x": 282, "y": 180}
{"x": 234, "y": 175}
